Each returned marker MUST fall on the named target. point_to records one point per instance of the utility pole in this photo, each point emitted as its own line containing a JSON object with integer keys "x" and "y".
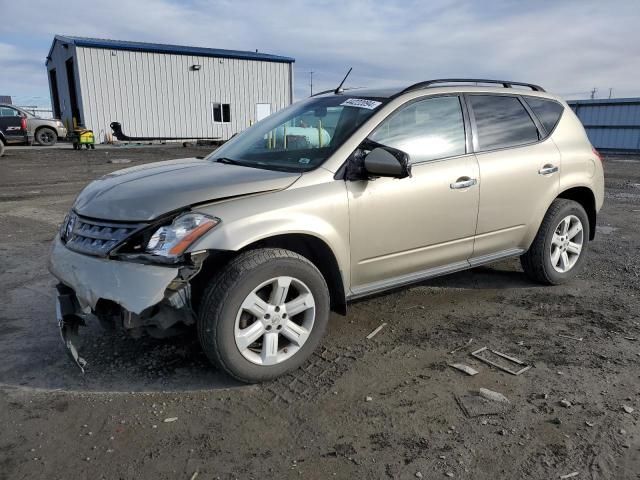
{"x": 593, "y": 93}
{"x": 610, "y": 92}
{"x": 311, "y": 81}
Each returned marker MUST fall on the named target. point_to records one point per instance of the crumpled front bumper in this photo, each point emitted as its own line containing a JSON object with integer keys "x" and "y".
{"x": 84, "y": 280}
{"x": 133, "y": 286}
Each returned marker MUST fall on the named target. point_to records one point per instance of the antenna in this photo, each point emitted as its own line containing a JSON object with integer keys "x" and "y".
{"x": 340, "y": 89}
{"x": 311, "y": 82}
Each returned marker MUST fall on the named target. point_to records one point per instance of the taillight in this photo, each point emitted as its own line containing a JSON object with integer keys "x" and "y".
{"x": 23, "y": 123}
{"x": 597, "y": 154}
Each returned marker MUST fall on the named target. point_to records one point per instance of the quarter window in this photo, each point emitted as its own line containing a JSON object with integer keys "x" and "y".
{"x": 502, "y": 121}
{"x": 221, "y": 112}
{"x": 547, "y": 111}
{"x": 426, "y": 130}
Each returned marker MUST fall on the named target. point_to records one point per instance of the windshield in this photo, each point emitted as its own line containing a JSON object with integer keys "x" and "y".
{"x": 300, "y": 137}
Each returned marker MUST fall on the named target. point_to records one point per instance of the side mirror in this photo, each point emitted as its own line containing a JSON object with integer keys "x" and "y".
{"x": 387, "y": 162}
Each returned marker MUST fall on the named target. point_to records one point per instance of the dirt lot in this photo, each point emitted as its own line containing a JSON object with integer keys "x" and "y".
{"x": 379, "y": 408}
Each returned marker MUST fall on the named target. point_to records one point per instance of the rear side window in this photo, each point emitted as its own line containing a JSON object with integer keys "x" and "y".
{"x": 547, "y": 111}
{"x": 427, "y": 130}
{"x": 502, "y": 121}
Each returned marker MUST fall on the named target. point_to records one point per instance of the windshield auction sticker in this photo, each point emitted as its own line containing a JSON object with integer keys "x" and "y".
{"x": 361, "y": 103}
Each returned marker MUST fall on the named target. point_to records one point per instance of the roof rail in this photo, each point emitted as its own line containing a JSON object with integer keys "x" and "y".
{"x": 504, "y": 83}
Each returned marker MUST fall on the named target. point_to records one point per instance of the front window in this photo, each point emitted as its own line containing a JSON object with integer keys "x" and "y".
{"x": 300, "y": 137}
{"x": 426, "y": 130}
{"x": 9, "y": 112}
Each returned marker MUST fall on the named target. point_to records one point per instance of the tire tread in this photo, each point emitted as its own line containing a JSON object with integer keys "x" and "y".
{"x": 533, "y": 261}
{"x": 219, "y": 290}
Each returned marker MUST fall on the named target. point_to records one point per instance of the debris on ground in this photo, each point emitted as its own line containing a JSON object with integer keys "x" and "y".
{"x": 461, "y": 346}
{"x": 368, "y": 399}
{"x": 500, "y": 360}
{"x": 483, "y": 402}
{"x": 170, "y": 419}
{"x": 418, "y": 474}
{"x": 493, "y": 396}
{"x": 119, "y": 160}
{"x": 577, "y": 339}
{"x": 627, "y": 408}
{"x": 565, "y": 403}
{"x": 569, "y": 475}
{"x": 376, "y": 331}
{"x": 464, "y": 368}
{"x": 590, "y": 424}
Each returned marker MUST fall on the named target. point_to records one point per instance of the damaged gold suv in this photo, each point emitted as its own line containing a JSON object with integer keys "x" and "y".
{"x": 334, "y": 198}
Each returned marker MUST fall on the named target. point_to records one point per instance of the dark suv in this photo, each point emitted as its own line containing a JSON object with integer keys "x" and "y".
{"x": 13, "y": 127}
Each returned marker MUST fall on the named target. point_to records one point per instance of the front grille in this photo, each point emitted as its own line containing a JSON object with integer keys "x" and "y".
{"x": 97, "y": 237}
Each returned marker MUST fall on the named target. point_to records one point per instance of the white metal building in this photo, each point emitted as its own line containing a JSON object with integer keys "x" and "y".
{"x": 157, "y": 90}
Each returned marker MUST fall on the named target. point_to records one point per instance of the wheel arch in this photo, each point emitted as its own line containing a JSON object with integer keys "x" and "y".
{"x": 585, "y": 197}
{"x": 319, "y": 253}
{"x": 313, "y": 248}
{"x": 40, "y": 127}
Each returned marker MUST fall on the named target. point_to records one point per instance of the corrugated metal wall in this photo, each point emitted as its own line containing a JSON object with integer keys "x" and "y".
{"x": 155, "y": 94}
{"x": 611, "y": 124}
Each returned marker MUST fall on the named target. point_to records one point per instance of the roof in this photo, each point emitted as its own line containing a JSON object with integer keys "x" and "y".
{"x": 391, "y": 92}
{"x": 169, "y": 49}
{"x": 605, "y": 101}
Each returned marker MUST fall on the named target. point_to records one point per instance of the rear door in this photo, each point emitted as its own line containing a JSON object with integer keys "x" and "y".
{"x": 519, "y": 172}
{"x": 11, "y": 124}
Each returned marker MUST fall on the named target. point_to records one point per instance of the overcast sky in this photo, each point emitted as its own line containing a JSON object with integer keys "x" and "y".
{"x": 569, "y": 47}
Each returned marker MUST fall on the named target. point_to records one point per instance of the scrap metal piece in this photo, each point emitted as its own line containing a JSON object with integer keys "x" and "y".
{"x": 376, "y": 331}
{"x": 464, "y": 368}
{"x": 577, "y": 339}
{"x": 524, "y": 366}
{"x": 474, "y": 405}
{"x": 69, "y": 333}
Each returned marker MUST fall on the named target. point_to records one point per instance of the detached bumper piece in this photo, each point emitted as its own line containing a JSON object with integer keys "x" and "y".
{"x": 69, "y": 323}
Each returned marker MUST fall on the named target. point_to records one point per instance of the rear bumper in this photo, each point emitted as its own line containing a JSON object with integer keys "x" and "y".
{"x": 135, "y": 287}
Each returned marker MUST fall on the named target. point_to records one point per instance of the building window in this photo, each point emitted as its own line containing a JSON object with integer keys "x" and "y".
{"x": 221, "y": 112}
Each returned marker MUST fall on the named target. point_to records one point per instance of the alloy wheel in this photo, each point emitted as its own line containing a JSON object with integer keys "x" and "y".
{"x": 566, "y": 243}
{"x": 275, "y": 320}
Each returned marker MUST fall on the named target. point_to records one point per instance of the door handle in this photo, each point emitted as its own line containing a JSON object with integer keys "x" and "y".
{"x": 463, "y": 182}
{"x": 548, "y": 169}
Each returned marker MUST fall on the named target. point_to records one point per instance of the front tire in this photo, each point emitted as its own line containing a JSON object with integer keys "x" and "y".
{"x": 559, "y": 248}
{"x": 264, "y": 314}
{"x": 46, "y": 137}
{"x": 1, "y": 148}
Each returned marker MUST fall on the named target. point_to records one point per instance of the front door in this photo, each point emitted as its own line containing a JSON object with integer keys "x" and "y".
{"x": 402, "y": 228}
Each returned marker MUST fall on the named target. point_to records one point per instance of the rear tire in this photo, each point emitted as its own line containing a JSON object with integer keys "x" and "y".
{"x": 1, "y": 148}
{"x": 559, "y": 248}
{"x": 46, "y": 137}
{"x": 264, "y": 314}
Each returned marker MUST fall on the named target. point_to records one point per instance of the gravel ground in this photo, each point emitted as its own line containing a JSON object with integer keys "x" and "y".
{"x": 389, "y": 407}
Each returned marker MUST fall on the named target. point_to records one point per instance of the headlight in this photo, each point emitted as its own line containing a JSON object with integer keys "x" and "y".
{"x": 172, "y": 240}
{"x": 59, "y": 123}
{"x": 66, "y": 229}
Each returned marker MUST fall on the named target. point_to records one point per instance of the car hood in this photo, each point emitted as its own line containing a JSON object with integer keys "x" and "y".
{"x": 148, "y": 191}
